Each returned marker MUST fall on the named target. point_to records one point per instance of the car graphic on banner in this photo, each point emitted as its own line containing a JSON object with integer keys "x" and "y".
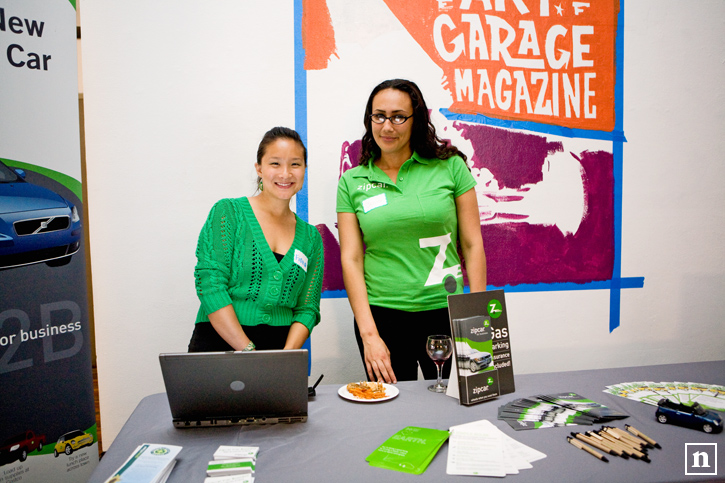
{"x": 36, "y": 224}
{"x": 16, "y": 448}
{"x": 72, "y": 441}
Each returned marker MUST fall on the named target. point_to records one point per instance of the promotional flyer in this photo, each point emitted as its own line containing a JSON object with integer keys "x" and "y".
{"x": 482, "y": 349}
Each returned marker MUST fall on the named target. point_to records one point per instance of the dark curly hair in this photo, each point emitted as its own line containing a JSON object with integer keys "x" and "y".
{"x": 423, "y": 138}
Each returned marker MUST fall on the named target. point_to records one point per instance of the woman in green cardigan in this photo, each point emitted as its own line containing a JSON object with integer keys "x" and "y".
{"x": 259, "y": 266}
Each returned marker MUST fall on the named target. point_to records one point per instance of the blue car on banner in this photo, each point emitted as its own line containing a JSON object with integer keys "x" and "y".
{"x": 36, "y": 224}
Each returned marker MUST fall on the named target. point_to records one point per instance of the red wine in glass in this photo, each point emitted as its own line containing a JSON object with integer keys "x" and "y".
{"x": 439, "y": 349}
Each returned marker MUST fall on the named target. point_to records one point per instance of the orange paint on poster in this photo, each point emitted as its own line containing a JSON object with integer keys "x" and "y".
{"x": 318, "y": 36}
{"x": 527, "y": 60}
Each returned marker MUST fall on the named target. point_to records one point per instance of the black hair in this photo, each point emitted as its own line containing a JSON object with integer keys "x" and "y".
{"x": 423, "y": 138}
{"x": 271, "y": 136}
{"x": 276, "y": 133}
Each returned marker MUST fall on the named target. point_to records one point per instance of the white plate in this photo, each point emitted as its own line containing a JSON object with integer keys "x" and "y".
{"x": 390, "y": 392}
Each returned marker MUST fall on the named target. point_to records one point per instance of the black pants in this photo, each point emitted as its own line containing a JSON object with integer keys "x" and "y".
{"x": 405, "y": 334}
{"x": 265, "y": 337}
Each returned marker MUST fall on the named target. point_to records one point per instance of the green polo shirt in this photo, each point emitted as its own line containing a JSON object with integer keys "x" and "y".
{"x": 410, "y": 230}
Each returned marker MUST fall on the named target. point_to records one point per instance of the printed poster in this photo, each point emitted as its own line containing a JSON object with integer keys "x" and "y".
{"x": 525, "y": 89}
{"x": 47, "y": 414}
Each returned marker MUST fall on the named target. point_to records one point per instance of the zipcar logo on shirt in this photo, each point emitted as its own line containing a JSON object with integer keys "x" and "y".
{"x": 369, "y": 186}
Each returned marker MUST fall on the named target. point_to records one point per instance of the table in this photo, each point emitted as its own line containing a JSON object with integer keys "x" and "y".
{"x": 332, "y": 445}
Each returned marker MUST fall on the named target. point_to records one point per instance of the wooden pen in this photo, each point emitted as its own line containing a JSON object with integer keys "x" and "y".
{"x": 596, "y": 444}
{"x": 610, "y": 440}
{"x": 622, "y": 439}
{"x": 625, "y": 435}
{"x": 643, "y": 436}
{"x": 589, "y": 450}
{"x": 594, "y": 436}
{"x": 631, "y": 451}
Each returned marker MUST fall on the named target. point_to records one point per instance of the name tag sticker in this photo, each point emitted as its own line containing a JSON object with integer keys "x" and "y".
{"x": 301, "y": 259}
{"x": 374, "y": 202}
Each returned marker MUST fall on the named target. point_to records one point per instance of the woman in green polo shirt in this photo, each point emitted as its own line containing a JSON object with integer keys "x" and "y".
{"x": 259, "y": 266}
{"x": 401, "y": 215}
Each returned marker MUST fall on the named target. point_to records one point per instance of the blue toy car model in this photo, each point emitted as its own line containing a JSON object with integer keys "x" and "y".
{"x": 36, "y": 224}
{"x": 694, "y": 416}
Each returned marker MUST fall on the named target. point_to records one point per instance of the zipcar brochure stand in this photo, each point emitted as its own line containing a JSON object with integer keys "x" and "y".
{"x": 482, "y": 350}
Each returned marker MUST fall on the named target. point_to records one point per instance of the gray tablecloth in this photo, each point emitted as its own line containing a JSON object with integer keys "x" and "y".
{"x": 333, "y": 444}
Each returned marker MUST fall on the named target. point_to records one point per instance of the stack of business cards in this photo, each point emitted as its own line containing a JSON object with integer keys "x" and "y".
{"x": 149, "y": 463}
{"x": 481, "y": 449}
{"x": 230, "y": 479}
{"x": 709, "y": 396}
{"x": 236, "y": 452}
{"x": 232, "y": 464}
{"x": 552, "y": 410}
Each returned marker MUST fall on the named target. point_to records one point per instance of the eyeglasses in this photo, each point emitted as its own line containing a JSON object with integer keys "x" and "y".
{"x": 396, "y": 119}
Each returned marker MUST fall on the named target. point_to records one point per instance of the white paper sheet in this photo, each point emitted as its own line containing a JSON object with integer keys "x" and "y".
{"x": 479, "y": 448}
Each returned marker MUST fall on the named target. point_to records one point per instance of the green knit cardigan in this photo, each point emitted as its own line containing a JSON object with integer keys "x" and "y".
{"x": 236, "y": 266}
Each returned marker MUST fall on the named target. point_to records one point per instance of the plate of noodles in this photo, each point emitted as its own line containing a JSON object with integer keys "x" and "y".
{"x": 368, "y": 392}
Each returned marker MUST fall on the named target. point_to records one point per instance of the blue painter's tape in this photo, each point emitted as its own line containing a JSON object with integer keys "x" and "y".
{"x": 301, "y": 128}
{"x": 629, "y": 282}
{"x": 302, "y": 199}
{"x": 618, "y": 170}
{"x": 615, "y": 135}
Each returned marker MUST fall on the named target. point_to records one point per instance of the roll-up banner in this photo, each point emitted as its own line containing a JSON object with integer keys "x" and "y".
{"x": 47, "y": 415}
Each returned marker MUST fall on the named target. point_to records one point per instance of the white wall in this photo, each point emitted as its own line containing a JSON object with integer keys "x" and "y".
{"x": 178, "y": 94}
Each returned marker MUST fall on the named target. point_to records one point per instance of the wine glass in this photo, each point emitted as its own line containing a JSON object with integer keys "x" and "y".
{"x": 439, "y": 348}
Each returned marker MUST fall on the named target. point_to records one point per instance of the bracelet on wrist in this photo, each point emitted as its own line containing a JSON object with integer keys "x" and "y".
{"x": 250, "y": 347}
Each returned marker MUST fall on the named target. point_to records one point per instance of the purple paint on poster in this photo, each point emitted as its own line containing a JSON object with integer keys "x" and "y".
{"x": 332, "y": 277}
{"x": 350, "y": 156}
{"x": 534, "y": 253}
{"x": 513, "y": 158}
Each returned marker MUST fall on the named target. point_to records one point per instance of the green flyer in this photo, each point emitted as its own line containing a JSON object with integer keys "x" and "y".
{"x": 410, "y": 450}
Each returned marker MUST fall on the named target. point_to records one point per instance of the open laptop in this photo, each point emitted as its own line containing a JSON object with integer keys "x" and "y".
{"x": 227, "y": 388}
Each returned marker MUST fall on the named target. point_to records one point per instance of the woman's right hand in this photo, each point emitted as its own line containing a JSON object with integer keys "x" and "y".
{"x": 377, "y": 360}
{"x": 226, "y": 323}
